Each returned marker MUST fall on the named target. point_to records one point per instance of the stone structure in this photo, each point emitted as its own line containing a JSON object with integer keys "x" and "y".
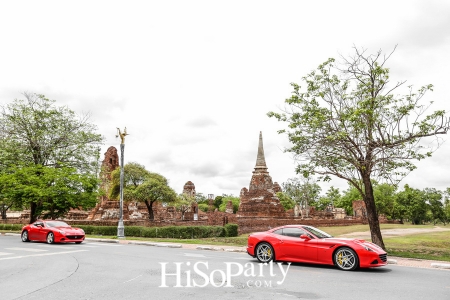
{"x": 359, "y": 209}
{"x": 229, "y": 208}
{"x": 189, "y": 189}
{"x": 260, "y": 199}
{"x": 276, "y": 187}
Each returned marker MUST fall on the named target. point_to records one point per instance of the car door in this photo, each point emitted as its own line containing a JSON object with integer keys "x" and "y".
{"x": 295, "y": 248}
{"x": 42, "y": 233}
{"x": 34, "y": 229}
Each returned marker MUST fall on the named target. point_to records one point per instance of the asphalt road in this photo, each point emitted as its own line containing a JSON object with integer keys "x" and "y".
{"x": 95, "y": 270}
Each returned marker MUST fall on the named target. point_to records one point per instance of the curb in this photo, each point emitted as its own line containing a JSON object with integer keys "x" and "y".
{"x": 440, "y": 266}
{"x": 11, "y": 234}
{"x": 134, "y": 243}
{"x": 392, "y": 261}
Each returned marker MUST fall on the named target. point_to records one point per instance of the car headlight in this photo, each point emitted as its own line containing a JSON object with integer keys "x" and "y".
{"x": 62, "y": 232}
{"x": 368, "y": 249}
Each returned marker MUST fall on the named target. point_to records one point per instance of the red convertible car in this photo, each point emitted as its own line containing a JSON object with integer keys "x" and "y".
{"x": 302, "y": 243}
{"x": 52, "y": 232}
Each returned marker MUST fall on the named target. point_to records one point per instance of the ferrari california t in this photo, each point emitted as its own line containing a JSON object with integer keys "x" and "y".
{"x": 307, "y": 244}
{"x": 52, "y": 231}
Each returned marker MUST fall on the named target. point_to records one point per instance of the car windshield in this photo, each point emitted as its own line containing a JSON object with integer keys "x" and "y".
{"x": 317, "y": 232}
{"x": 56, "y": 224}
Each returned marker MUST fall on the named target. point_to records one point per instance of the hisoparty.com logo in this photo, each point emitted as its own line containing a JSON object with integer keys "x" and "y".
{"x": 200, "y": 275}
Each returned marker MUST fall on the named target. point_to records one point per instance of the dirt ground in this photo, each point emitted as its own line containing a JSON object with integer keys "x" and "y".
{"x": 394, "y": 232}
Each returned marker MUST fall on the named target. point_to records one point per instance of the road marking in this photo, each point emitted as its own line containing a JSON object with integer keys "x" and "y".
{"x": 132, "y": 279}
{"x": 4, "y": 253}
{"x": 42, "y": 254}
{"x": 106, "y": 244}
{"x": 194, "y": 255}
{"x": 55, "y": 246}
{"x": 26, "y": 249}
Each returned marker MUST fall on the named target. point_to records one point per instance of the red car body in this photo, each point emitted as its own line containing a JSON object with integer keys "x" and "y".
{"x": 306, "y": 244}
{"x": 52, "y": 231}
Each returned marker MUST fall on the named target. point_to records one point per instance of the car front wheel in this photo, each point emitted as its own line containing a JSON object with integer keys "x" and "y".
{"x": 50, "y": 238}
{"x": 346, "y": 259}
{"x": 25, "y": 236}
{"x": 264, "y": 253}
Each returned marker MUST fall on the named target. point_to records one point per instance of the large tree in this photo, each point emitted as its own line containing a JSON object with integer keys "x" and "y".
{"x": 142, "y": 186}
{"x": 303, "y": 191}
{"x": 35, "y": 133}
{"x": 349, "y": 121}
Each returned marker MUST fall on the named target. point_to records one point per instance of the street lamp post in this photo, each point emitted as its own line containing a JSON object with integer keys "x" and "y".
{"x": 120, "y": 226}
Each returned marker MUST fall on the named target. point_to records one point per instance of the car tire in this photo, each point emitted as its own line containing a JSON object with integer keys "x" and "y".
{"x": 24, "y": 236}
{"x": 78, "y": 242}
{"x": 264, "y": 253}
{"x": 346, "y": 259}
{"x": 50, "y": 238}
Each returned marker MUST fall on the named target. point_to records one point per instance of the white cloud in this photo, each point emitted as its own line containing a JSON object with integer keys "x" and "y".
{"x": 193, "y": 80}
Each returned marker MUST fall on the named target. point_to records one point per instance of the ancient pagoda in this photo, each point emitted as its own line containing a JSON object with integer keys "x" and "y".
{"x": 260, "y": 199}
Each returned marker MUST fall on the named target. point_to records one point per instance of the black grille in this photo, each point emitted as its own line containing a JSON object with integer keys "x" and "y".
{"x": 383, "y": 257}
{"x": 74, "y": 237}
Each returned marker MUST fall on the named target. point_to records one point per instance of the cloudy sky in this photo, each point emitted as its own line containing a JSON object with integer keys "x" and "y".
{"x": 193, "y": 80}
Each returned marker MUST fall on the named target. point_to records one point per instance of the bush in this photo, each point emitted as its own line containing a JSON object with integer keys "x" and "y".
{"x": 176, "y": 232}
{"x": 231, "y": 229}
{"x": 11, "y": 227}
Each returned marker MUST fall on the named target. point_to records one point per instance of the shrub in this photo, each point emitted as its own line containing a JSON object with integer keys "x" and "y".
{"x": 231, "y": 229}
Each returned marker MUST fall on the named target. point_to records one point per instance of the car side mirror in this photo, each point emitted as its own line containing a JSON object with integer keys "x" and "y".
{"x": 305, "y": 237}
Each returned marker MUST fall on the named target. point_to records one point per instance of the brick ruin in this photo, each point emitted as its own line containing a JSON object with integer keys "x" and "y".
{"x": 259, "y": 209}
{"x": 260, "y": 200}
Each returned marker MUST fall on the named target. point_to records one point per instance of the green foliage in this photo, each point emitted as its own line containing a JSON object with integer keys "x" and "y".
{"x": 218, "y": 201}
{"x": 433, "y": 198}
{"x": 57, "y": 190}
{"x": 203, "y": 207}
{"x": 286, "y": 201}
{"x": 234, "y": 200}
{"x": 11, "y": 227}
{"x": 142, "y": 186}
{"x": 346, "y": 201}
{"x": 412, "y": 203}
{"x": 231, "y": 230}
{"x": 52, "y": 142}
{"x": 331, "y": 197}
{"x": 302, "y": 191}
{"x": 349, "y": 121}
{"x": 178, "y": 232}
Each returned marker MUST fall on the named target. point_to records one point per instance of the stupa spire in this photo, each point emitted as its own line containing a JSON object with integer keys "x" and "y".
{"x": 260, "y": 159}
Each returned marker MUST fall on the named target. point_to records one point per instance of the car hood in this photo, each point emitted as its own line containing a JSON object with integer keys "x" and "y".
{"x": 360, "y": 242}
{"x": 70, "y": 230}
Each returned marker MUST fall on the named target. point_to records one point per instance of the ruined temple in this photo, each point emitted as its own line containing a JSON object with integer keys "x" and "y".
{"x": 189, "y": 189}
{"x": 260, "y": 199}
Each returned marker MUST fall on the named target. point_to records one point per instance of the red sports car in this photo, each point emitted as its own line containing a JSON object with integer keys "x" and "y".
{"x": 52, "y": 232}
{"x": 303, "y": 243}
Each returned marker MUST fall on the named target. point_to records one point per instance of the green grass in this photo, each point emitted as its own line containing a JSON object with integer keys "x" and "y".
{"x": 434, "y": 246}
{"x": 225, "y": 241}
{"x": 339, "y": 230}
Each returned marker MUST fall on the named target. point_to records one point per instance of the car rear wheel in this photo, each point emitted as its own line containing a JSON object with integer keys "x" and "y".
{"x": 264, "y": 253}
{"x": 25, "y": 236}
{"x": 346, "y": 259}
{"x": 50, "y": 238}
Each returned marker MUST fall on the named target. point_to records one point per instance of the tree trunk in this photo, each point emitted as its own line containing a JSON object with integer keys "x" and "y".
{"x": 149, "y": 205}
{"x": 4, "y": 208}
{"x": 33, "y": 208}
{"x": 372, "y": 215}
